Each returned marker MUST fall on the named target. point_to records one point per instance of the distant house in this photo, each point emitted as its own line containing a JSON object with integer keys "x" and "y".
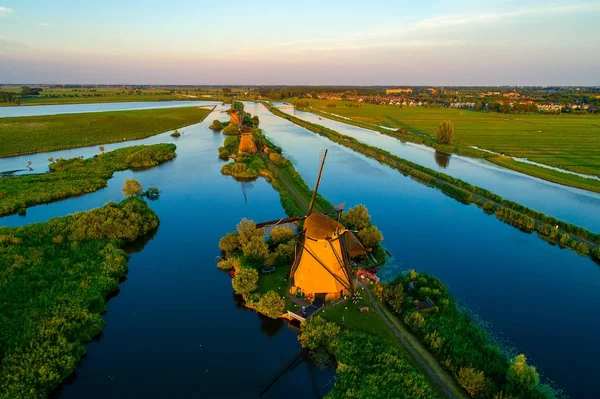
{"x": 425, "y": 306}
{"x": 398, "y": 91}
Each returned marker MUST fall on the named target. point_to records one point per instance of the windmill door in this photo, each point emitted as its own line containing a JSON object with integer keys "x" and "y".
{"x": 319, "y": 298}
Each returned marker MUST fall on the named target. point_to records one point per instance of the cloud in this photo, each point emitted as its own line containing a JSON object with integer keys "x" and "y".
{"x": 44, "y": 24}
{"x": 5, "y": 10}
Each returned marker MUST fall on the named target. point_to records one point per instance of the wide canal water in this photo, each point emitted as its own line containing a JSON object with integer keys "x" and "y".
{"x": 175, "y": 326}
{"x": 572, "y": 205}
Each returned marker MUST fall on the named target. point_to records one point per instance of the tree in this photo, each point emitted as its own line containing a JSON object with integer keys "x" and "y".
{"x": 51, "y": 159}
{"x": 247, "y": 229}
{"x": 245, "y": 281}
{"x": 357, "y": 217}
{"x": 505, "y": 107}
{"x": 521, "y": 378}
{"x": 471, "y": 380}
{"x": 271, "y": 305}
{"x": 131, "y": 187}
{"x": 101, "y": 149}
{"x": 445, "y": 132}
{"x": 281, "y": 234}
{"x": 256, "y": 249}
{"x": 370, "y": 237}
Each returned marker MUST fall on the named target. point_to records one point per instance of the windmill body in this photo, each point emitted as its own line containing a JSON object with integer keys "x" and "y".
{"x": 322, "y": 267}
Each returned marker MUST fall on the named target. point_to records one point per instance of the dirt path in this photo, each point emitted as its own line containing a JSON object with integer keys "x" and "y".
{"x": 284, "y": 179}
{"x": 435, "y": 371}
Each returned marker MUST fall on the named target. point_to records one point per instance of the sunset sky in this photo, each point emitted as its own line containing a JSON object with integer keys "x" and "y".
{"x": 302, "y": 42}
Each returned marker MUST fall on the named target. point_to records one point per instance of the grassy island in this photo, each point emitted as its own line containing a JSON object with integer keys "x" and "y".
{"x": 31, "y": 134}
{"x": 71, "y": 177}
{"x": 54, "y": 279}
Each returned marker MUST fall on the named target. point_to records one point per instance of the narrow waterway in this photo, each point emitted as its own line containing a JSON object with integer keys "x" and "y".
{"x": 537, "y": 296}
{"x": 38, "y": 110}
{"x": 175, "y": 327}
{"x": 572, "y": 205}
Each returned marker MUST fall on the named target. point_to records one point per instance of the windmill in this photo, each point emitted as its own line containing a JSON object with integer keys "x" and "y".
{"x": 324, "y": 249}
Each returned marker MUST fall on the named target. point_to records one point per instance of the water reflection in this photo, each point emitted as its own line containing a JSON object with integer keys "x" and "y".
{"x": 442, "y": 159}
{"x": 270, "y": 327}
{"x": 139, "y": 244}
{"x": 246, "y": 186}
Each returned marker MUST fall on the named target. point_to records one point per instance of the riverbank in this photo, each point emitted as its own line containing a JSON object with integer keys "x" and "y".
{"x": 422, "y": 304}
{"x": 565, "y": 234}
{"x": 56, "y": 277}
{"x": 33, "y": 134}
{"x": 426, "y": 138}
{"x": 72, "y": 177}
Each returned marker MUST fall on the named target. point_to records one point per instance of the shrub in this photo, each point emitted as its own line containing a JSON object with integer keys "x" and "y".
{"x": 277, "y": 159}
{"x": 175, "y": 133}
{"x": 22, "y": 211}
{"x": 245, "y": 281}
{"x": 256, "y": 250}
{"x": 231, "y": 130}
{"x": 230, "y": 243}
{"x": 370, "y": 236}
{"x": 318, "y": 334}
{"x": 357, "y": 217}
{"x": 414, "y": 320}
{"x": 271, "y": 305}
{"x": 285, "y": 252}
{"x": 229, "y": 263}
{"x": 224, "y": 155}
{"x": 152, "y": 193}
{"x": 472, "y": 381}
{"x": 216, "y": 125}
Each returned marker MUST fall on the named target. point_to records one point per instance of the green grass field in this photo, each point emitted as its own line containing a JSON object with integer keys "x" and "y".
{"x": 105, "y": 94}
{"x": 570, "y": 142}
{"x": 55, "y": 132}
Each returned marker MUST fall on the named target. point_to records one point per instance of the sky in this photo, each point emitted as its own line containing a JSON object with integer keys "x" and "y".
{"x": 307, "y": 42}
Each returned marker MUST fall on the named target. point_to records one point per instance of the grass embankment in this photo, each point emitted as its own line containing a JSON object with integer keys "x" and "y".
{"x": 54, "y": 279}
{"x": 568, "y": 235}
{"x": 570, "y": 142}
{"x": 31, "y": 134}
{"x": 71, "y": 177}
{"x": 465, "y": 350}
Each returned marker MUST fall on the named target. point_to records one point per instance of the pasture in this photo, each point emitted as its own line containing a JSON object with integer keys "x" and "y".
{"x": 55, "y": 132}
{"x": 569, "y": 142}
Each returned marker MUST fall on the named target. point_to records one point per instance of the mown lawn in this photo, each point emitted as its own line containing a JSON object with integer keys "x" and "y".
{"x": 567, "y": 141}
{"x": 55, "y": 132}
